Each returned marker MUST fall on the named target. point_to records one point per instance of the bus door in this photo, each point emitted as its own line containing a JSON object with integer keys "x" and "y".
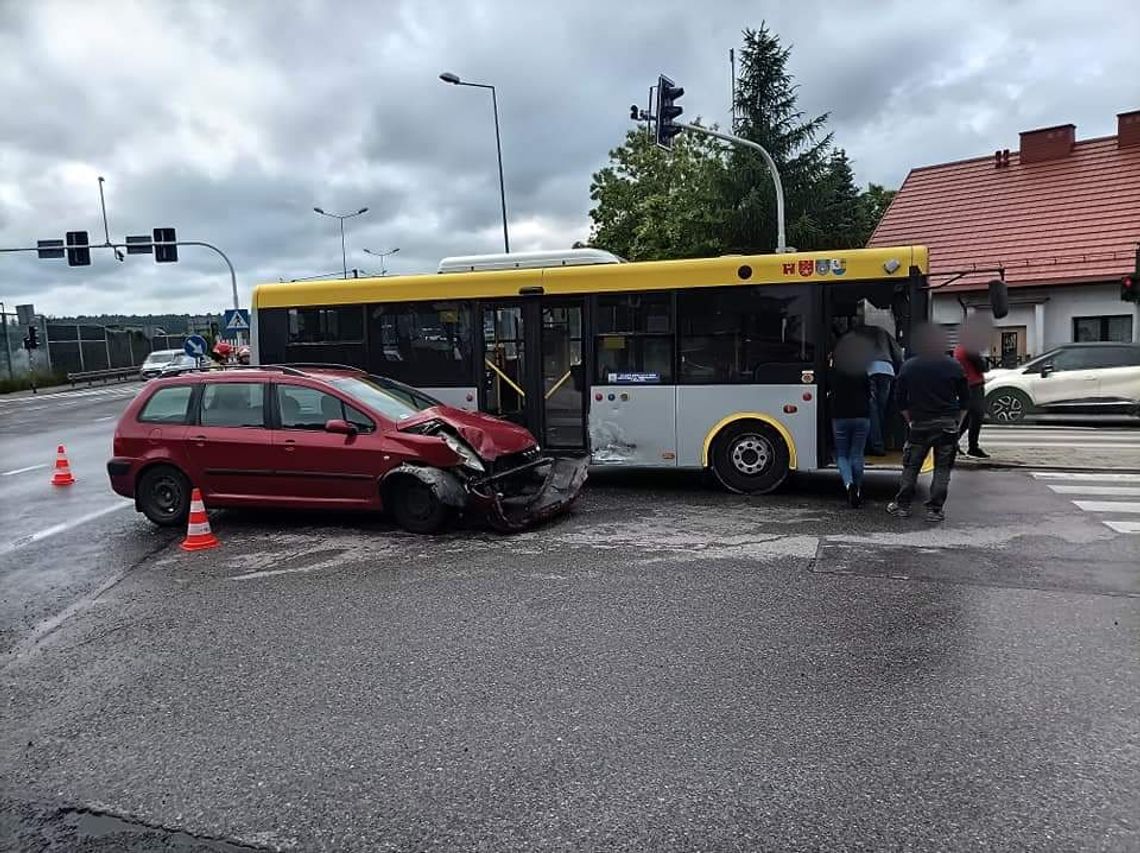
{"x": 532, "y": 367}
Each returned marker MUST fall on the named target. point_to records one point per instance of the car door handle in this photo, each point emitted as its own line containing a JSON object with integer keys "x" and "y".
{"x": 290, "y": 445}
{"x": 200, "y": 440}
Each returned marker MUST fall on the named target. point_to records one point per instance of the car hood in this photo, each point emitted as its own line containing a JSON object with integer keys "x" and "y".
{"x": 488, "y": 436}
{"x": 1000, "y": 373}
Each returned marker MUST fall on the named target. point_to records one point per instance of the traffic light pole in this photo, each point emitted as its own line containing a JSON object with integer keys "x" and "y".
{"x": 117, "y": 246}
{"x": 781, "y": 240}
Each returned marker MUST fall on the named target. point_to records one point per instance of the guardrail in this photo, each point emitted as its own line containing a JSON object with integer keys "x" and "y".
{"x": 118, "y": 373}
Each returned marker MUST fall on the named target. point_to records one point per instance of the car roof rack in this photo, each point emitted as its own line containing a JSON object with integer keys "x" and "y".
{"x": 319, "y": 364}
{"x": 288, "y": 370}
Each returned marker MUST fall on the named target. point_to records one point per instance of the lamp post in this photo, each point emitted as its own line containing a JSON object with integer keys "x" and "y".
{"x": 382, "y": 256}
{"x": 341, "y": 217}
{"x": 453, "y": 79}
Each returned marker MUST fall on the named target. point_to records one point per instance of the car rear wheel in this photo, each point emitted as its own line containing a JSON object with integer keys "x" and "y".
{"x": 163, "y": 495}
{"x": 414, "y": 506}
{"x": 750, "y": 457}
{"x": 1008, "y": 406}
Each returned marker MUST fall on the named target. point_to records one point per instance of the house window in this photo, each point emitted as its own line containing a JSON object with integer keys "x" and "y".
{"x": 1116, "y": 328}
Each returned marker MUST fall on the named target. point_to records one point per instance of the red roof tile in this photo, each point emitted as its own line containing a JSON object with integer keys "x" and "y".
{"x": 1072, "y": 219}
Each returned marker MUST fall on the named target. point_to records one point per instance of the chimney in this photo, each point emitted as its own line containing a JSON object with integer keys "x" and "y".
{"x": 1128, "y": 128}
{"x": 1048, "y": 143}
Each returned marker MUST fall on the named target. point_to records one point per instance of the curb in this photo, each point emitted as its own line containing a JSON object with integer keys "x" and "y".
{"x": 1015, "y": 466}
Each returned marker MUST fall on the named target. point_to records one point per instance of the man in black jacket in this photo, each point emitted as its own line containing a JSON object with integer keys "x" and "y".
{"x": 933, "y": 397}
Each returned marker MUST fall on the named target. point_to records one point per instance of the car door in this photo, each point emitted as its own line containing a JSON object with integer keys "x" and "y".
{"x": 317, "y": 467}
{"x": 1070, "y": 377}
{"x": 1118, "y": 380}
{"x": 230, "y": 445}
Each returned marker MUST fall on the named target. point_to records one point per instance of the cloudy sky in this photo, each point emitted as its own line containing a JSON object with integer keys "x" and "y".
{"x": 231, "y": 120}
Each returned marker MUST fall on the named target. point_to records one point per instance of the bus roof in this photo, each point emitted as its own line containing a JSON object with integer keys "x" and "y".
{"x": 800, "y": 267}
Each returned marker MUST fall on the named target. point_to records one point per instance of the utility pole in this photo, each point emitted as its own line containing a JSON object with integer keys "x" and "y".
{"x": 7, "y": 350}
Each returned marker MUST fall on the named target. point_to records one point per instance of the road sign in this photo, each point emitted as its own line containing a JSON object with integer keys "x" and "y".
{"x": 139, "y": 244}
{"x": 235, "y": 320}
{"x": 49, "y": 248}
{"x": 195, "y": 346}
{"x": 25, "y": 314}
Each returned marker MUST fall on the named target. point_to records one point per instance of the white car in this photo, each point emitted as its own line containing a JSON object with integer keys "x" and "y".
{"x": 1074, "y": 379}
{"x": 158, "y": 359}
{"x": 176, "y": 365}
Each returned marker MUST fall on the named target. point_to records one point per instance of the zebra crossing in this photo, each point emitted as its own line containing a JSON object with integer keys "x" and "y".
{"x": 1113, "y": 498}
{"x": 1084, "y": 438}
{"x": 50, "y": 397}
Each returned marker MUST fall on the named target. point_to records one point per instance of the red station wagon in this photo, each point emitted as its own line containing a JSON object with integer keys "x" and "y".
{"x": 310, "y": 437}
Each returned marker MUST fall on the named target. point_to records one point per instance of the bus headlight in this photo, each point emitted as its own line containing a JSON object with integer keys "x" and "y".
{"x": 470, "y": 460}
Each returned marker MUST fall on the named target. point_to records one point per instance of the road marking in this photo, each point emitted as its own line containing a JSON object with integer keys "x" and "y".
{"x": 104, "y": 418}
{"x": 40, "y": 535}
{"x": 1108, "y": 506}
{"x": 1079, "y": 475}
{"x": 1124, "y": 526}
{"x": 273, "y": 572}
{"x": 1092, "y": 489}
{"x": 23, "y": 470}
{"x": 1076, "y": 445}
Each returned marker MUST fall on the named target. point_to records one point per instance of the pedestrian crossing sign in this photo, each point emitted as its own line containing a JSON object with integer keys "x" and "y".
{"x": 235, "y": 320}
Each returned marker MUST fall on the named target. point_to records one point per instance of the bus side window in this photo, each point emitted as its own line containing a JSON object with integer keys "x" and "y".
{"x": 634, "y": 339}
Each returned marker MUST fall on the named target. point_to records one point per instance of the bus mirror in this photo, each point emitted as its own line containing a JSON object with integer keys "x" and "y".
{"x": 999, "y": 298}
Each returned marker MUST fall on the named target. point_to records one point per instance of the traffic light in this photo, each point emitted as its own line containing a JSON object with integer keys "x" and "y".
{"x": 667, "y": 111}
{"x": 1128, "y": 285}
{"x": 165, "y": 252}
{"x": 32, "y": 339}
{"x": 78, "y": 253}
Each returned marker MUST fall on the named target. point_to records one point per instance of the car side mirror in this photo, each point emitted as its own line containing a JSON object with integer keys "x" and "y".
{"x": 1046, "y": 370}
{"x": 339, "y": 426}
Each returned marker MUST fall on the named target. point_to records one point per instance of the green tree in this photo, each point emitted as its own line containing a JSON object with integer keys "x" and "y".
{"x": 705, "y": 197}
{"x": 874, "y": 201}
{"x": 651, "y": 203}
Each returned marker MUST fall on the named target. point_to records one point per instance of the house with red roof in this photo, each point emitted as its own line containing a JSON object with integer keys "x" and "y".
{"x": 1060, "y": 216}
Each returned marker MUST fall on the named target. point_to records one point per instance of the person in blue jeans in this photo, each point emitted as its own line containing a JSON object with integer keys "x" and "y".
{"x": 850, "y": 399}
{"x": 886, "y": 358}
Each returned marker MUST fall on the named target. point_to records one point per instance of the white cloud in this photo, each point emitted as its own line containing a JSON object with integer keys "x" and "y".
{"x": 231, "y": 120}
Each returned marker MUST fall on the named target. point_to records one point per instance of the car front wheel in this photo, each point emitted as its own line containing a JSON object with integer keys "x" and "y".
{"x": 163, "y": 495}
{"x": 1008, "y": 406}
{"x": 414, "y": 506}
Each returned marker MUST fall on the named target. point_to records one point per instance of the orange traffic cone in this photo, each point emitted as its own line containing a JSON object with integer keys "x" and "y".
{"x": 62, "y": 475}
{"x": 198, "y": 535}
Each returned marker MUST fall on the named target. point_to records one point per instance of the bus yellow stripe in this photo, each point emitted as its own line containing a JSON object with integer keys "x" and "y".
{"x": 793, "y": 458}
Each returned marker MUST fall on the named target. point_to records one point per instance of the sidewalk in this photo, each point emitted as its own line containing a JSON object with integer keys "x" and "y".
{"x": 1103, "y": 458}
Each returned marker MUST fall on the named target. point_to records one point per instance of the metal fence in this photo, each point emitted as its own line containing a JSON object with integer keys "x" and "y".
{"x": 71, "y": 348}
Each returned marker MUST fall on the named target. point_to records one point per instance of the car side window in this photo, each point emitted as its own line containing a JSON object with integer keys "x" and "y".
{"x": 309, "y": 408}
{"x": 233, "y": 404}
{"x": 167, "y": 405}
{"x": 1078, "y": 358}
{"x": 1121, "y": 357}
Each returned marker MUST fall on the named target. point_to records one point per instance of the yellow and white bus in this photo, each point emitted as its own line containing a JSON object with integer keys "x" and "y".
{"x": 716, "y": 363}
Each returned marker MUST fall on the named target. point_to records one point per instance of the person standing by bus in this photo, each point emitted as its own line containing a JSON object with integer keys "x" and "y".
{"x": 933, "y": 397}
{"x": 974, "y": 333}
{"x": 850, "y": 399}
{"x": 884, "y": 364}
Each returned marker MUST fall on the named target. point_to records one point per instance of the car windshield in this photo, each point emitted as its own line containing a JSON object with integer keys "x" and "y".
{"x": 374, "y": 396}
{"x": 1041, "y": 359}
{"x": 160, "y": 357}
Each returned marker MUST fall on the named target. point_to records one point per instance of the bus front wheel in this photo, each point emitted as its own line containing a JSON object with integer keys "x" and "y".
{"x": 750, "y": 457}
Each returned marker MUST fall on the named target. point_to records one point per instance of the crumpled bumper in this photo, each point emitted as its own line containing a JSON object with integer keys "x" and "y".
{"x": 561, "y": 486}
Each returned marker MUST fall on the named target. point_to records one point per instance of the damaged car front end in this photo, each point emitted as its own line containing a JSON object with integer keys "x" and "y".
{"x": 512, "y": 490}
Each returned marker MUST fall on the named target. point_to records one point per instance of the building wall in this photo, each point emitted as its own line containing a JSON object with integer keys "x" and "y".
{"x": 1056, "y": 306}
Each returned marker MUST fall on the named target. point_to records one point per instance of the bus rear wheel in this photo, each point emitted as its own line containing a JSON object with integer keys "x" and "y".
{"x": 750, "y": 457}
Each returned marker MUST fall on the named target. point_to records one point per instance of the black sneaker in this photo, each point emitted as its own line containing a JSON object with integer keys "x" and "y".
{"x": 851, "y": 496}
{"x": 898, "y": 511}
{"x": 858, "y": 500}
{"x": 977, "y": 453}
{"x": 935, "y": 514}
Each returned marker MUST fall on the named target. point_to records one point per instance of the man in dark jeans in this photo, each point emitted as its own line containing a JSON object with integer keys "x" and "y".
{"x": 973, "y": 335}
{"x": 933, "y": 398}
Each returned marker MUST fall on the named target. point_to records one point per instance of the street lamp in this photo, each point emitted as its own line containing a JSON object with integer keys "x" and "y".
{"x": 453, "y": 79}
{"x": 382, "y": 256}
{"x": 341, "y": 217}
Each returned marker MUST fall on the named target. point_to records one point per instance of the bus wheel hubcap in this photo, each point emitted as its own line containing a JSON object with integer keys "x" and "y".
{"x": 751, "y": 454}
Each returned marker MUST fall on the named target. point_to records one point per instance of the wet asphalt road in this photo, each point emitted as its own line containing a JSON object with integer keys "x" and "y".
{"x": 668, "y": 668}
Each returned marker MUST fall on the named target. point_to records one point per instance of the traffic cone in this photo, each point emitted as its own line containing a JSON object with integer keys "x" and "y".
{"x": 198, "y": 535}
{"x": 62, "y": 475}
